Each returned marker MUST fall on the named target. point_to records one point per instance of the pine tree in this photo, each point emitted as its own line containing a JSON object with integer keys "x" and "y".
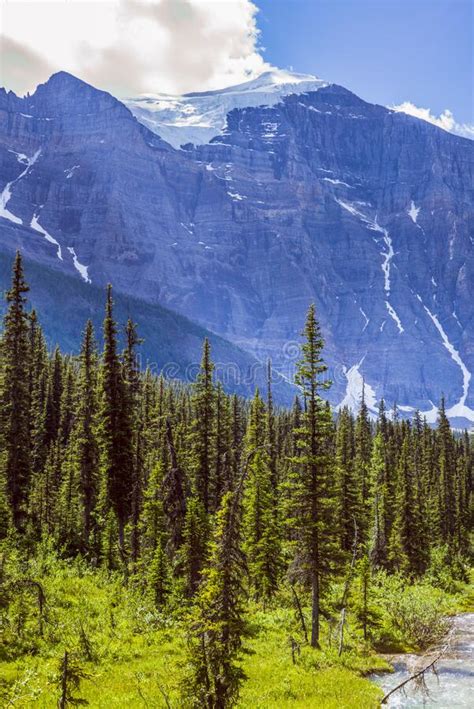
{"x": 271, "y": 433}
{"x": 348, "y": 489}
{"x": 217, "y": 625}
{"x": 159, "y": 578}
{"x": 447, "y": 474}
{"x": 39, "y": 449}
{"x": 363, "y": 441}
{"x": 131, "y": 375}
{"x": 68, "y": 508}
{"x": 221, "y": 480}
{"x": 85, "y": 443}
{"x": 152, "y": 520}
{"x": 15, "y": 398}
{"x": 406, "y": 543}
{"x": 204, "y": 427}
{"x": 53, "y": 399}
{"x": 262, "y": 544}
{"x": 378, "y": 551}
{"x": 237, "y": 434}
{"x": 115, "y": 428}
{"x": 255, "y": 436}
{"x": 193, "y": 553}
{"x": 44, "y": 495}
{"x": 309, "y": 483}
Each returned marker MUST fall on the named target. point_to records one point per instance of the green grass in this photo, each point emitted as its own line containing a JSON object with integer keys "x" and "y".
{"x": 135, "y": 656}
{"x": 318, "y": 679}
{"x": 139, "y": 655}
{"x": 155, "y": 671}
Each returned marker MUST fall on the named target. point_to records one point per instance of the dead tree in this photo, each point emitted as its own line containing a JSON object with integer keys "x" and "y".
{"x": 419, "y": 675}
{"x": 300, "y": 613}
{"x": 40, "y": 596}
{"x": 346, "y": 590}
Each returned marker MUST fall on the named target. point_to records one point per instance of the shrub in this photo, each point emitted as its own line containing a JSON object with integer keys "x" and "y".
{"x": 416, "y": 614}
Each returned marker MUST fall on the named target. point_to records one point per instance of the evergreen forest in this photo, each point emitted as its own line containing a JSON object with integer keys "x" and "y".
{"x": 168, "y": 544}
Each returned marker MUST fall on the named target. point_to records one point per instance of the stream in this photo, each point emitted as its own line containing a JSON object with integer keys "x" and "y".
{"x": 451, "y": 687}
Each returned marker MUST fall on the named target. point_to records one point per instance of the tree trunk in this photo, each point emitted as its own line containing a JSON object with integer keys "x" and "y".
{"x": 315, "y": 607}
{"x": 300, "y": 613}
{"x": 63, "y": 699}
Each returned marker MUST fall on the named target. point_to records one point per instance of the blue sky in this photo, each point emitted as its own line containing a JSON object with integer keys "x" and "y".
{"x": 386, "y": 51}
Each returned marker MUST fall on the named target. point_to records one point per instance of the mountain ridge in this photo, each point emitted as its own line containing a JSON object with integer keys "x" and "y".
{"x": 320, "y": 196}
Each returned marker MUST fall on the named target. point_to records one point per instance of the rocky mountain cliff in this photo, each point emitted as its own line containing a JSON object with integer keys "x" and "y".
{"x": 318, "y": 197}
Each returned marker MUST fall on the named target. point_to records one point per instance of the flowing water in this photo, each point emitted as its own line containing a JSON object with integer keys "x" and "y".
{"x": 451, "y": 687}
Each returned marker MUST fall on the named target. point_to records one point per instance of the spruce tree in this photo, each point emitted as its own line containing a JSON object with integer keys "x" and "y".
{"x": 309, "y": 477}
{"x": 363, "y": 442}
{"x": 378, "y": 551}
{"x": 85, "y": 443}
{"x": 447, "y": 474}
{"x": 222, "y": 477}
{"x": 348, "y": 489}
{"x": 193, "y": 553}
{"x": 216, "y": 624}
{"x": 261, "y": 534}
{"x": 131, "y": 386}
{"x": 271, "y": 432}
{"x": 15, "y": 348}
{"x": 115, "y": 428}
{"x": 406, "y": 542}
{"x": 204, "y": 428}
{"x": 159, "y": 578}
{"x": 152, "y": 520}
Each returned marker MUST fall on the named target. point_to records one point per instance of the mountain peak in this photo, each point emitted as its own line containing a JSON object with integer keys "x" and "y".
{"x": 65, "y": 93}
{"x": 275, "y": 80}
{"x": 63, "y": 78}
{"x": 200, "y": 116}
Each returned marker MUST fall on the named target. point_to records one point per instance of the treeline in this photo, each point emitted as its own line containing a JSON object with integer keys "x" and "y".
{"x": 202, "y": 498}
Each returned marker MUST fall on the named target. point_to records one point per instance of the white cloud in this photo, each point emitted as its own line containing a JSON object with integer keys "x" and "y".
{"x": 445, "y": 120}
{"x": 130, "y": 46}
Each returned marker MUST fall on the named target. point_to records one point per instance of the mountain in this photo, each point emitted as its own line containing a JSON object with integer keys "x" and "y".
{"x": 171, "y": 344}
{"x": 310, "y": 195}
{"x": 199, "y": 117}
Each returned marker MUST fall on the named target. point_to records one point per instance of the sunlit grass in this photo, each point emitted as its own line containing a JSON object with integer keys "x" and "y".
{"x": 135, "y": 656}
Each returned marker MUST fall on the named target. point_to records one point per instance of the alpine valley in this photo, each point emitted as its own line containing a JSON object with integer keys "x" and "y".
{"x": 229, "y": 212}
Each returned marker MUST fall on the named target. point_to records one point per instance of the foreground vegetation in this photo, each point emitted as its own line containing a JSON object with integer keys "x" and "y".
{"x": 132, "y": 654}
{"x": 164, "y": 545}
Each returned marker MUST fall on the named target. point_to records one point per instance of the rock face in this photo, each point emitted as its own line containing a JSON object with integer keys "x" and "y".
{"x": 320, "y": 197}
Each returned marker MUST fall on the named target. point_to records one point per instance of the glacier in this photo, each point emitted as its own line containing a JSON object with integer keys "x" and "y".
{"x": 199, "y": 117}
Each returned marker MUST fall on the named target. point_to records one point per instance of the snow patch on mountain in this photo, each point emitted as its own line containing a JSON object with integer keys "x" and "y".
{"x": 356, "y": 388}
{"x": 336, "y": 182}
{"x": 413, "y": 212}
{"x": 37, "y": 227}
{"x": 364, "y": 315}
{"x": 21, "y": 157}
{"x": 70, "y": 171}
{"x": 373, "y": 225}
{"x": 431, "y": 416}
{"x": 199, "y": 117}
{"x": 393, "y": 314}
{"x": 387, "y": 255}
{"x": 459, "y": 409}
{"x": 236, "y": 196}
{"x": 83, "y": 270}
{"x": 7, "y": 190}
